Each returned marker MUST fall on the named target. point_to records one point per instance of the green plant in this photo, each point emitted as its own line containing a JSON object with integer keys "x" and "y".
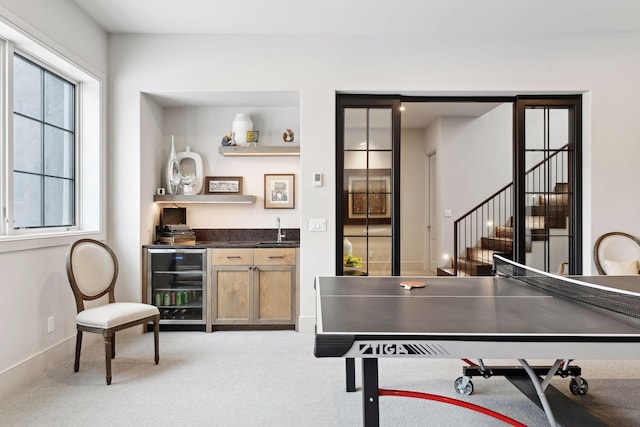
{"x": 352, "y": 261}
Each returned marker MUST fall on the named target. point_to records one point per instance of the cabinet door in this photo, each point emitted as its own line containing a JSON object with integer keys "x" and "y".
{"x": 274, "y": 293}
{"x": 232, "y": 301}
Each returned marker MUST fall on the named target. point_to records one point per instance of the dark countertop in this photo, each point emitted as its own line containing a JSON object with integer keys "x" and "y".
{"x": 205, "y": 244}
{"x": 238, "y": 238}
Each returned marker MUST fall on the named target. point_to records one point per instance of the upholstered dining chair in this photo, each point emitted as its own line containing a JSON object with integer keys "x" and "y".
{"x": 617, "y": 254}
{"x": 92, "y": 269}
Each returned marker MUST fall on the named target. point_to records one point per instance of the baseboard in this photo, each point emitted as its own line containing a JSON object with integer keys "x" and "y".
{"x": 307, "y": 324}
{"x": 36, "y": 366}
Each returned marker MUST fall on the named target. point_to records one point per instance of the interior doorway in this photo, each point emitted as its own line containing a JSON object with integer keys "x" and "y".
{"x": 425, "y": 198}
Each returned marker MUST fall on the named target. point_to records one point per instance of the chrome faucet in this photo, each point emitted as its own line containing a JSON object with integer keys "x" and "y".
{"x": 280, "y": 233}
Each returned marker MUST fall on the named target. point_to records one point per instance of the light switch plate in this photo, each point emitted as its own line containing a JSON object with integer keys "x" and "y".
{"x": 318, "y": 224}
{"x": 317, "y": 180}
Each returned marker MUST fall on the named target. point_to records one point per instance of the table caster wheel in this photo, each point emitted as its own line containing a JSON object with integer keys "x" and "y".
{"x": 579, "y": 387}
{"x": 466, "y": 390}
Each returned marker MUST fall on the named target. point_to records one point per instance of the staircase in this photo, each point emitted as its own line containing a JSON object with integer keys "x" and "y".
{"x": 550, "y": 213}
{"x": 487, "y": 229}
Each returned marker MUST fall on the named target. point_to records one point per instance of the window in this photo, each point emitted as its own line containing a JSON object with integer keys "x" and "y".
{"x": 52, "y": 156}
{"x": 43, "y": 147}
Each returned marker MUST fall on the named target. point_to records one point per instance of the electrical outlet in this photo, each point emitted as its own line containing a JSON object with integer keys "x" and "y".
{"x": 50, "y": 325}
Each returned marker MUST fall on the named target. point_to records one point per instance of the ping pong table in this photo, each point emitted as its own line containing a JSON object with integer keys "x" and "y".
{"x": 520, "y": 313}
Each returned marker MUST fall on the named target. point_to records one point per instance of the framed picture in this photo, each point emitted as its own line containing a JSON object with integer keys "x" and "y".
{"x": 367, "y": 198}
{"x": 279, "y": 191}
{"x": 223, "y": 185}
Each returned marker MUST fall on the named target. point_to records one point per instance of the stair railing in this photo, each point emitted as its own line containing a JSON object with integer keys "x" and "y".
{"x": 490, "y": 220}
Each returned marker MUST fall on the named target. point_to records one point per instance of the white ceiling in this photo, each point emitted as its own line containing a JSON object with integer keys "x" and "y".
{"x": 435, "y": 18}
{"x": 422, "y": 114}
{"x": 400, "y": 17}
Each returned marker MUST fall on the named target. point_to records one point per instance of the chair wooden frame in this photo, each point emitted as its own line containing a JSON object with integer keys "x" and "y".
{"x": 596, "y": 247}
{"x": 109, "y": 334}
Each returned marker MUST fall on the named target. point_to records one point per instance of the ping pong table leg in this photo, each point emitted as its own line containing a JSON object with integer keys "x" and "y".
{"x": 350, "y": 370}
{"x": 370, "y": 393}
{"x": 541, "y": 385}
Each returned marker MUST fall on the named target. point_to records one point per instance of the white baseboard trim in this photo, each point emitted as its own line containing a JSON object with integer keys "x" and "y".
{"x": 307, "y": 324}
{"x": 35, "y": 366}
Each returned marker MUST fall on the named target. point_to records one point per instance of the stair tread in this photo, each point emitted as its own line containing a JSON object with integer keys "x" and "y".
{"x": 502, "y": 239}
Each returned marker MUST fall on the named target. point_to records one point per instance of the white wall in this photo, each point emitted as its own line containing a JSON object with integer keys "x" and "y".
{"x": 324, "y": 65}
{"x": 34, "y": 282}
{"x": 202, "y": 128}
{"x": 412, "y": 187}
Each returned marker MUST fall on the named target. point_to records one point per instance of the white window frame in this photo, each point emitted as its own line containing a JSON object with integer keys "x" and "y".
{"x": 90, "y": 152}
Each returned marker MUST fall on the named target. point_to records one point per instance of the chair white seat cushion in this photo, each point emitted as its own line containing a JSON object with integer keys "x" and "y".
{"x": 621, "y": 268}
{"x": 115, "y": 314}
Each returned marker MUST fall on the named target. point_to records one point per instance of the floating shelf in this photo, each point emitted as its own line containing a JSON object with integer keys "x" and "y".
{"x": 233, "y": 150}
{"x": 205, "y": 198}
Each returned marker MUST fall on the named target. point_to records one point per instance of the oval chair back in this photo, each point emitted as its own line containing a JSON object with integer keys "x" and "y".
{"x": 616, "y": 254}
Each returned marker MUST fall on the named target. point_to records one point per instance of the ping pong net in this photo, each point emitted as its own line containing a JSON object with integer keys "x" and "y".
{"x": 616, "y": 300}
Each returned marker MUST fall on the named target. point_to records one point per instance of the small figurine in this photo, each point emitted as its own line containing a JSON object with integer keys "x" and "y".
{"x": 228, "y": 140}
{"x": 288, "y": 136}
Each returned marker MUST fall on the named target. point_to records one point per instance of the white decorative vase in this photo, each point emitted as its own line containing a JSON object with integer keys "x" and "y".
{"x": 173, "y": 171}
{"x": 347, "y": 247}
{"x": 242, "y": 123}
{"x": 190, "y": 164}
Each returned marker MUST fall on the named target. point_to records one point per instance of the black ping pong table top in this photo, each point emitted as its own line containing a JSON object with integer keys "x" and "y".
{"x": 464, "y": 309}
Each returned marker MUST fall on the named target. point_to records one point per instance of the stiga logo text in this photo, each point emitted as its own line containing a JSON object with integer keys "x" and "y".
{"x": 380, "y": 349}
{"x": 402, "y": 349}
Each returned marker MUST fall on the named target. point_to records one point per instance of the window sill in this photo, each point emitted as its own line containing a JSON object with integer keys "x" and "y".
{"x": 27, "y": 242}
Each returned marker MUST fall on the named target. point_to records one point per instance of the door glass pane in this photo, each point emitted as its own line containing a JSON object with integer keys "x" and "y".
{"x": 354, "y": 251}
{"x": 379, "y": 256}
{"x": 534, "y": 128}
{"x": 355, "y": 128}
{"x": 355, "y": 160}
{"x": 378, "y": 196}
{"x": 558, "y": 251}
{"x": 380, "y": 159}
{"x": 558, "y": 128}
{"x": 380, "y": 129}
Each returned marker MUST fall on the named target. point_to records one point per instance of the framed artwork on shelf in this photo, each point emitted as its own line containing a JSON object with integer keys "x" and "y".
{"x": 367, "y": 199}
{"x": 279, "y": 191}
{"x": 223, "y": 185}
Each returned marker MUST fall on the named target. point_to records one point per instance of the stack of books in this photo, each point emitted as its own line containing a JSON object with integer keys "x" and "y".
{"x": 177, "y": 234}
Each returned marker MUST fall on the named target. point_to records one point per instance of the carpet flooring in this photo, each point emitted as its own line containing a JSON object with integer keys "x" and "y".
{"x": 271, "y": 378}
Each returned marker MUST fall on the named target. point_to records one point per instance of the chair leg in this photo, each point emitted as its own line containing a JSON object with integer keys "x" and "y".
{"x": 76, "y": 364}
{"x": 113, "y": 346}
{"x": 107, "y": 352}
{"x": 156, "y": 339}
